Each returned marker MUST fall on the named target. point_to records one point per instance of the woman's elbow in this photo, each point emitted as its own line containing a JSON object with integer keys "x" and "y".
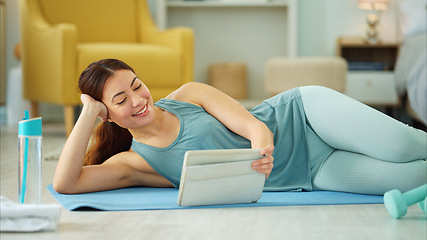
{"x": 61, "y": 187}
{"x": 58, "y": 187}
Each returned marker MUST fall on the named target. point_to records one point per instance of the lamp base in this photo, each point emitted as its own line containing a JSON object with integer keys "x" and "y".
{"x": 372, "y": 33}
{"x": 372, "y": 38}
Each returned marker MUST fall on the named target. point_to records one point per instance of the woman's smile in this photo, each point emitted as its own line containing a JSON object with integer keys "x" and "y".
{"x": 141, "y": 112}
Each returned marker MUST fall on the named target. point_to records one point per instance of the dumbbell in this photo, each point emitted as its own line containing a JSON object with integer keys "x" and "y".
{"x": 423, "y": 205}
{"x": 397, "y": 203}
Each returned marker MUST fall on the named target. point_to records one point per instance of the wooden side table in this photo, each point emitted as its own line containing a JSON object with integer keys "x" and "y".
{"x": 370, "y": 78}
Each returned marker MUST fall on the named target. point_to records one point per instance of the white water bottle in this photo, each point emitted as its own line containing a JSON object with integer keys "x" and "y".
{"x": 30, "y": 160}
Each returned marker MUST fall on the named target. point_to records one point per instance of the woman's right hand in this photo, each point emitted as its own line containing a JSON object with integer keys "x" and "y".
{"x": 88, "y": 100}
{"x": 265, "y": 164}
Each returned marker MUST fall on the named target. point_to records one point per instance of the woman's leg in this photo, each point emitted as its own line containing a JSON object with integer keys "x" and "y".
{"x": 347, "y": 124}
{"x": 352, "y": 172}
{"x": 375, "y": 153}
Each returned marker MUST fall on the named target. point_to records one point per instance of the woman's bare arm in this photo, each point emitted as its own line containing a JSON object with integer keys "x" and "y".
{"x": 234, "y": 116}
{"x": 121, "y": 170}
{"x": 70, "y": 162}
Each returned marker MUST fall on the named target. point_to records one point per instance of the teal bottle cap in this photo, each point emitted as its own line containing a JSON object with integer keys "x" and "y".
{"x": 30, "y": 127}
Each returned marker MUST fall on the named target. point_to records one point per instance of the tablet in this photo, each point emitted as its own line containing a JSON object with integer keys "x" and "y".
{"x": 212, "y": 177}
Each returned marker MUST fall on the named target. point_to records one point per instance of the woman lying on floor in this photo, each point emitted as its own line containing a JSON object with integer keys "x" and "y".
{"x": 319, "y": 138}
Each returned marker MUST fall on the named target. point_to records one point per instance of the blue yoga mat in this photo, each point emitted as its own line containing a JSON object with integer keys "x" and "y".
{"x": 143, "y": 198}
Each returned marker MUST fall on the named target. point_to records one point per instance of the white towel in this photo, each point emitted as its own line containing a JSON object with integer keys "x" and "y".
{"x": 28, "y": 217}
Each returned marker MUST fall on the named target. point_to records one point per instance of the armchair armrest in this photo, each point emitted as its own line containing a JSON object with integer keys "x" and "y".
{"x": 49, "y": 53}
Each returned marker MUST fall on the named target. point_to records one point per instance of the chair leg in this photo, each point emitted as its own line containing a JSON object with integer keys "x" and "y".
{"x": 69, "y": 119}
{"x": 34, "y": 109}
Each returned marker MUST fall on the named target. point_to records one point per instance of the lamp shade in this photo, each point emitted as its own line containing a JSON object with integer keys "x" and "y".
{"x": 373, "y": 4}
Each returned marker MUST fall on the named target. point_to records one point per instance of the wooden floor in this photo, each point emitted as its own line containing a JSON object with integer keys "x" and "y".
{"x": 294, "y": 222}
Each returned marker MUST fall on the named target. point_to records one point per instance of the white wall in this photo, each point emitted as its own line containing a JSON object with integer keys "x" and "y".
{"x": 12, "y": 32}
{"x": 320, "y": 22}
{"x": 12, "y": 38}
{"x": 233, "y": 34}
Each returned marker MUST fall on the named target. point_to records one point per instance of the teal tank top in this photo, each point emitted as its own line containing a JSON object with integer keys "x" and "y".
{"x": 283, "y": 114}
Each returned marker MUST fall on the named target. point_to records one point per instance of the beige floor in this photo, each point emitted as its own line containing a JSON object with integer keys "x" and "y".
{"x": 294, "y": 222}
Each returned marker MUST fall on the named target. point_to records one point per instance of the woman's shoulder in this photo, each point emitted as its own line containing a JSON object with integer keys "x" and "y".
{"x": 188, "y": 92}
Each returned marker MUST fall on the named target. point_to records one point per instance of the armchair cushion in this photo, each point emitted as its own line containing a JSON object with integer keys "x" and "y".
{"x": 155, "y": 65}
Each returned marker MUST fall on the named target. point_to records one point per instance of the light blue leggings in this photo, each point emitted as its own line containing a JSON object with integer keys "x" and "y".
{"x": 374, "y": 153}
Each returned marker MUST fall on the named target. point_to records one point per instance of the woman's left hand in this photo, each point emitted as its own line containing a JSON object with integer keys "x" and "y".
{"x": 265, "y": 164}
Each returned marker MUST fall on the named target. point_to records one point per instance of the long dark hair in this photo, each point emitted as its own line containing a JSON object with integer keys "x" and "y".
{"x": 108, "y": 138}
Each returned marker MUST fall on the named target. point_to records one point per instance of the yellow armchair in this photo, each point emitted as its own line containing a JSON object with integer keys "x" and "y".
{"x": 61, "y": 38}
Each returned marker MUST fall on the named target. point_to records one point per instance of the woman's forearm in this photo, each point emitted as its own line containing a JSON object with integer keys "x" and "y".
{"x": 260, "y": 135}
{"x": 72, "y": 157}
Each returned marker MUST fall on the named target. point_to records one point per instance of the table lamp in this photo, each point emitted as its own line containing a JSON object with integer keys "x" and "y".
{"x": 373, "y": 18}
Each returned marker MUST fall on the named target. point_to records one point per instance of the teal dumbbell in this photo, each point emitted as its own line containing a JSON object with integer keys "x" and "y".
{"x": 397, "y": 203}
{"x": 423, "y": 205}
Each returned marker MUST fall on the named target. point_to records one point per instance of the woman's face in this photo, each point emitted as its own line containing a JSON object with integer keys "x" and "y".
{"x": 128, "y": 100}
